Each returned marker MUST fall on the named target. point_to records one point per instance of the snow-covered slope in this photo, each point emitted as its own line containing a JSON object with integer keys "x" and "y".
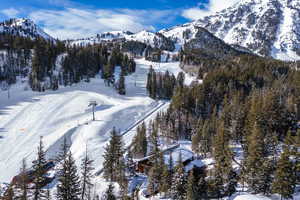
{"x": 147, "y": 37}
{"x": 23, "y": 27}
{"x": 103, "y": 37}
{"x": 267, "y": 27}
{"x": 55, "y": 114}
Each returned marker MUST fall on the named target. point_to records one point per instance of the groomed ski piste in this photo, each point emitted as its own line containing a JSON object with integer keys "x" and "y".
{"x": 27, "y": 115}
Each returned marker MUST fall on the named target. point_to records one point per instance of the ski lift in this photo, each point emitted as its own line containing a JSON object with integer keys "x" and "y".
{"x": 93, "y": 104}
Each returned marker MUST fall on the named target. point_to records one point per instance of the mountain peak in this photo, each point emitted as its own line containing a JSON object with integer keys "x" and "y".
{"x": 24, "y": 27}
{"x": 267, "y": 27}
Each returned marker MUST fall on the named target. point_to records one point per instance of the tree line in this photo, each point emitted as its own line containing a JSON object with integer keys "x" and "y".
{"x": 161, "y": 85}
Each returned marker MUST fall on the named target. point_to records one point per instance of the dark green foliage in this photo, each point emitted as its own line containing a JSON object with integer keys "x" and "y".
{"x": 109, "y": 193}
{"x": 68, "y": 186}
{"x": 114, "y": 163}
{"x": 121, "y": 87}
{"x": 192, "y": 188}
{"x": 225, "y": 180}
{"x": 86, "y": 176}
{"x": 38, "y": 167}
{"x": 22, "y": 186}
{"x": 134, "y": 47}
{"x": 140, "y": 142}
{"x": 285, "y": 181}
{"x": 179, "y": 182}
{"x": 160, "y": 85}
{"x": 156, "y": 174}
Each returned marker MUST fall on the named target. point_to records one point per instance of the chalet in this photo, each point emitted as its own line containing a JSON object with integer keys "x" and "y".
{"x": 188, "y": 159}
{"x": 29, "y": 175}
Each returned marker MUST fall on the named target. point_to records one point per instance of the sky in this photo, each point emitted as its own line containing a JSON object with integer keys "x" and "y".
{"x": 70, "y": 19}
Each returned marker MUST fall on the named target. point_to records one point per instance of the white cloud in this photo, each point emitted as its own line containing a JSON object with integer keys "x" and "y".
{"x": 10, "y": 12}
{"x": 79, "y": 23}
{"x": 212, "y": 7}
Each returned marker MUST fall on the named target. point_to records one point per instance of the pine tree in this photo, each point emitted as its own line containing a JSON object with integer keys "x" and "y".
{"x": 113, "y": 158}
{"x": 38, "y": 168}
{"x": 48, "y": 194}
{"x": 202, "y": 187}
{"x": 178, "y": 188}
{"x": 155, "y": 173}
{"x": 224, "y": 182}
{"x": 109, "y": 193}
{"x": 23, "y": 185}
{"x": 86, "y": 176}
{"x": 140, "y": 142}
{"x": 130, "y": 163}
{"x": 68, "y": 186}
{"x": 166, "y": 180}
{"x": 192, "y": 187}
{"x": 121, "y": 84}
{"x": 149, "y": 81}
{"x": 285, "y": 180}
{"x": 256, "y": 164}
{"x": 297, "y": 158}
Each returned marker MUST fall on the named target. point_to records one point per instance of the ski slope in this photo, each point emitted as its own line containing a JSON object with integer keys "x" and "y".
{"x": 27, "y": 115}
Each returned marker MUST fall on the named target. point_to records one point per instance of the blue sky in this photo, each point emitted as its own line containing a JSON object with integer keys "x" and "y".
{"x": 83, "y": 18}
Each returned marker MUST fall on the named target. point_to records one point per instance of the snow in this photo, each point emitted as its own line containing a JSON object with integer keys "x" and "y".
{"x": 22, "y": 26}
{"x": 27, "y": 116}
{"x": 283, "y": 45}
{"x": 250, "y": 197}
{"x": 176, "y": 34}
{"x": 144, "y": 36}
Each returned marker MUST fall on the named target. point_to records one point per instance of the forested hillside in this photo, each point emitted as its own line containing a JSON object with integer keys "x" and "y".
{"x": 250, "y": 103}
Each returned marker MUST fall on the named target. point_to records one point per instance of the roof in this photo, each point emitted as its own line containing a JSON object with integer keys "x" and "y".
{"x": 185, "y": 155}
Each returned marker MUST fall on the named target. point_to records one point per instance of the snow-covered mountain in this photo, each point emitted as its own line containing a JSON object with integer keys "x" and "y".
{"x": 23, "y": 27}
{"x": 267, "y": 27}
{"x": 153, "y": 39}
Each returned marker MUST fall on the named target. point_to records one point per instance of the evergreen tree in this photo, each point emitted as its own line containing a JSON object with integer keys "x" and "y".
{"x": 113, "y": 158}
{"x": 38, "y": 168}
{"x": 130, "y": 163}
{"x": 166, "y": 180}
{"x": 140, "y": 142}
{"x": 192, "y": 187}
{"x": 224, "y": 179}
{"x": 48, "y": 194}
{"x": 23, "y": 184}
{"x": 178, "y": 188}
{"x": 68, "y": 186}
{"x": 121, "y": 84}
{"x": 109, "y": 193}
{"x": 285, "y": 180}
{"x": 202, "y": 187}
{"x": 155, "y": 174}
{"x": 255, "y": 162}
{"x": 297, "y": 158}
{"x": 86, "y": 176}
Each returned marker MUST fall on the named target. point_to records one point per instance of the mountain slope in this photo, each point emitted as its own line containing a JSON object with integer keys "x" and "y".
{"x": 23, "y": 27}
{"x": 267, "y": 27}
{"x": 155, "y": 40}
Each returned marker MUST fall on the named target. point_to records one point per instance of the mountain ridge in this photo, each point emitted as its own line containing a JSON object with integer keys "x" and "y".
{"x": 23, "y": 27}
{"x": 270, "y": 28}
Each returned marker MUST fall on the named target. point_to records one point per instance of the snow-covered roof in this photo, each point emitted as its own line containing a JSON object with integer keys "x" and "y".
{"x": 185, "y": 155}
{"x": 194, "y": 164}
